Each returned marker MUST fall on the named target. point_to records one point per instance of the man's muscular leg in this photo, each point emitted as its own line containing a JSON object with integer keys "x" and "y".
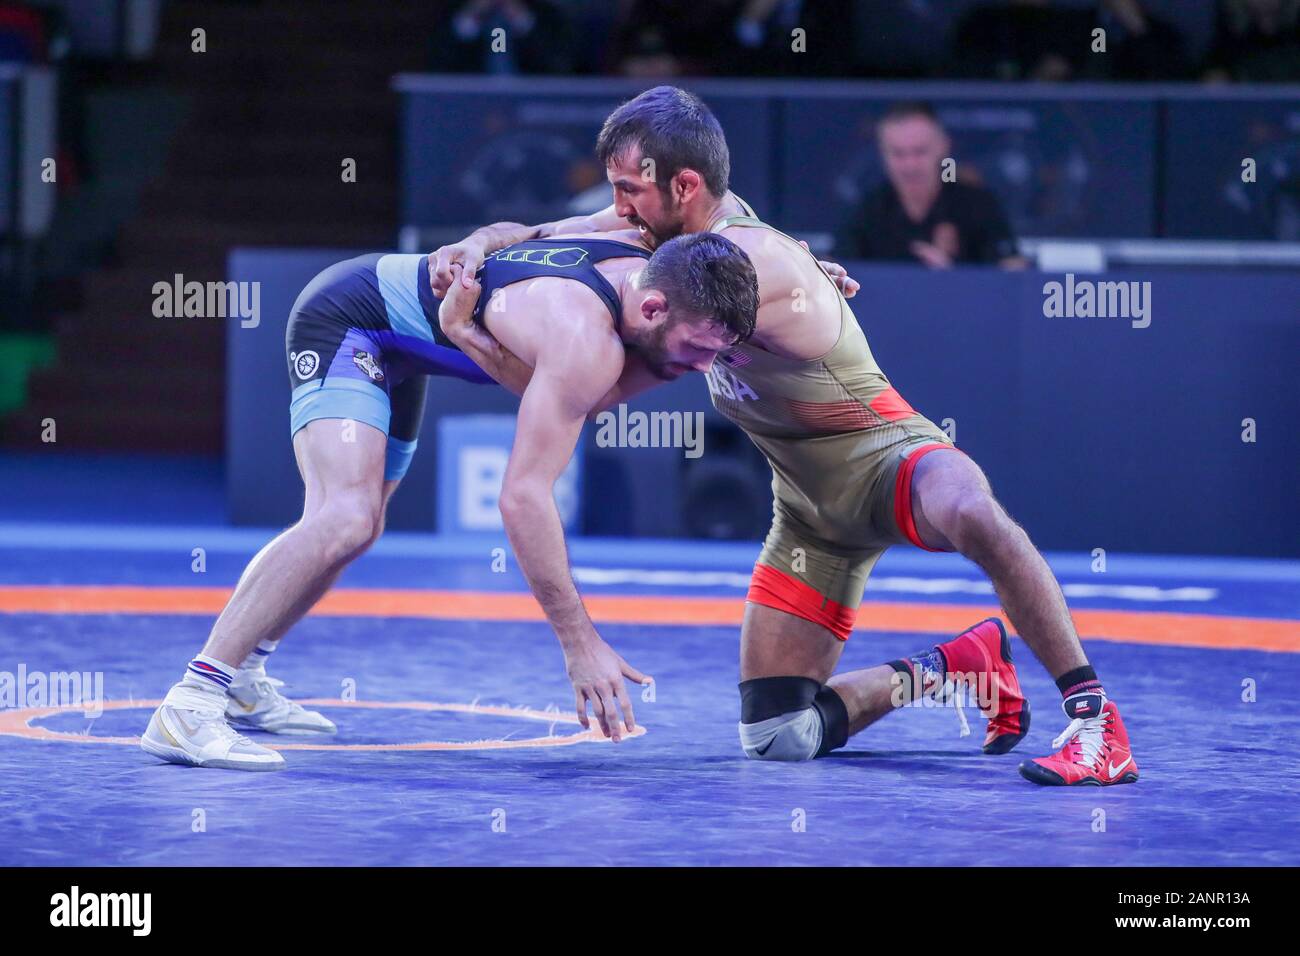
{"x": 955, "y": 510}
{"x": 777, "y": 644}
{"x": 791, "y": 641}
{"x": 343, "y": 513}
{"x": 254, "y": 700}
{"x": 782, "y": 654}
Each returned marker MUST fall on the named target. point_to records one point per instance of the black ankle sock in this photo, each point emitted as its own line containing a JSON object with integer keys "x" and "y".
{"x": 1081, "y": 680}
{"x": 929, "y": 667}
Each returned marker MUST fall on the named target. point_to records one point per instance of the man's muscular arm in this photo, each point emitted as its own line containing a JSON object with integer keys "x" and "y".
{"x": 607, "y": 220}
{"x": 456, "y": 319}
{"x": 799, "y": 311}
{"x": 482, "y": 242}
{"x": 567, "y": 383}
{"x": 470, "y": 252}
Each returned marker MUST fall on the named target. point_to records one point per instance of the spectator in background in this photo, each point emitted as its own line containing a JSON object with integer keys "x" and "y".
{"x": 661, "y": 38}
{"x": 1141, "y": 46}
{"x": 538, "y": 34}
{"x": 917, "y": 216}
{"x": 1257, "y": 41}
{"x": 763, "y": 37}
{"x": 1023, "y": 40}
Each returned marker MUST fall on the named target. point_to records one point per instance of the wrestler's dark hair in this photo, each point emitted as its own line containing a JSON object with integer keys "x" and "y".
{"x": 708, "y": 276}
{"x": 676, "y": 130}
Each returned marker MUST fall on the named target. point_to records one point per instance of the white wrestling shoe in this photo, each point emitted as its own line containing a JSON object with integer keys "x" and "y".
{"x": 189, "y": 727}
{"x": 254, "y": 700}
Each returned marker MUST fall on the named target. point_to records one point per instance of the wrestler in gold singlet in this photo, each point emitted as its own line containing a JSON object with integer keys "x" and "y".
{"x": 852, "y": 475}
{"x": 842, "y": 443}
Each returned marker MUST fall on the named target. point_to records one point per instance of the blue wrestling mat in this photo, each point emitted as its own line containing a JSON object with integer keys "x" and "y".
{"x": 457, "y": 741}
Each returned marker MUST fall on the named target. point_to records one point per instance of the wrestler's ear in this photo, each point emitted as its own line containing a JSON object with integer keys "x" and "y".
{"x": 654, "y": 307}
{"x": 686, "y": 185}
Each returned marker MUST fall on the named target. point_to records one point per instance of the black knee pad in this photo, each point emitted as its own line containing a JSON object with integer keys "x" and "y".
{"x": 765, "y": 697}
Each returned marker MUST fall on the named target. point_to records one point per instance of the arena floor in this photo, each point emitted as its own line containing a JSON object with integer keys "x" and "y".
{"x": 458, "y": 744}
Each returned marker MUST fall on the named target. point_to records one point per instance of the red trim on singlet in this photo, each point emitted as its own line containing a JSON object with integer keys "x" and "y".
{"x": 903, "y": 494}
{"x": 891, "y": 406}
{"x": 773, "y": 588}
{"x": 851, "y": 415}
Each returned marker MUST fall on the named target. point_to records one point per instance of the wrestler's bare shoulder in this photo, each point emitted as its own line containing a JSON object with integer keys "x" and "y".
{"x": 781, "y": 263}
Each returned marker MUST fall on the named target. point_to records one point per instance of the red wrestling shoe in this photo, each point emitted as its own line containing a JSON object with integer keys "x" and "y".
{"x": 980, "y": 657}
{"x": 1096, "y": 751}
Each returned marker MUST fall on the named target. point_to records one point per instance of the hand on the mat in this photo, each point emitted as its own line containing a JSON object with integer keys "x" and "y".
{"x": 468, "y": 254}
{"x": 597, "y": 672}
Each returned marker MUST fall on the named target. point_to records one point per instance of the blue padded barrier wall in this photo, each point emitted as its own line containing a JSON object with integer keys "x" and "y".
{"x": 1093, "y": 432}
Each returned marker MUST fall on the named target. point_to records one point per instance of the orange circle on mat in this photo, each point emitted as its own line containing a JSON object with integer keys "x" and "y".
{"x": 19, "y": 723}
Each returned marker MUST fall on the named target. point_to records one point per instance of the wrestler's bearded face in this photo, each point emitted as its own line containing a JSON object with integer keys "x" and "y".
{"x": 676, "y": 346}
{"x": 653, "y": 347}
{"x": 639, "y": 199}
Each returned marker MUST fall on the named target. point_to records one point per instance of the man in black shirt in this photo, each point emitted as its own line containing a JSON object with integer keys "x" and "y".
{"x": 920, "y": 216}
